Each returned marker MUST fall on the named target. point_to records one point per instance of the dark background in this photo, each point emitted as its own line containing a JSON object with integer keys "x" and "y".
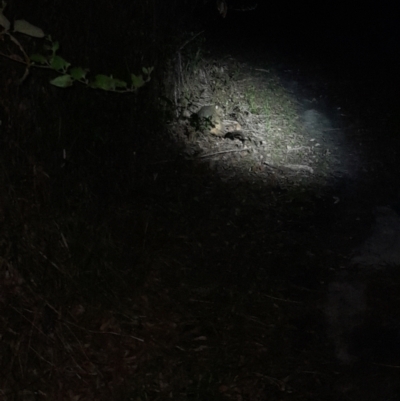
{"x": 366, "y": 34}
{"x": 331, "y": 32}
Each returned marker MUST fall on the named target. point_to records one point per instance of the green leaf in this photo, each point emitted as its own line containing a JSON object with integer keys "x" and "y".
{"x": 63, "y": 81}
{"x": 107, "y": 83}
{"x": 78, "y": 73}
{"x": 59, "y": 64}
{"x": 119, "y": 83}
{"x": 55, "y": 46}
{"x": 103, "y": 82}
{"x": 137, "y": 81}
{"x": 4, "y": 22}
{"x": 27, "y": 28}
{"x": 39, "y": 58}
{"x": 147, "y": 71}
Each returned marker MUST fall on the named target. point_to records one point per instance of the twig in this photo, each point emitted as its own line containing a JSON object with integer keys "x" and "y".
{"x": 299, "y": 167}
{"x": 282, "y": 299}
{"x": 104, "y": 332}
{"x": 27, "y": 59}
{"x": 387, "y": 366}
{"x": 219, "y": 153}
{"x": 52, "y": 263}
{"x": 189, "y": 40}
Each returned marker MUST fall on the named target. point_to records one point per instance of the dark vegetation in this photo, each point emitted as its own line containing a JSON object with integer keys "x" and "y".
{"x": 128, "y": 272}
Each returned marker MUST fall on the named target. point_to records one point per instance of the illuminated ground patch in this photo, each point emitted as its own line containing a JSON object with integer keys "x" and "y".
{"x": 287, "y": 136}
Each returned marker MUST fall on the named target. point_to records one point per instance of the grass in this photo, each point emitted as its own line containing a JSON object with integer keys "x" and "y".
{"x": 251, "y": 99}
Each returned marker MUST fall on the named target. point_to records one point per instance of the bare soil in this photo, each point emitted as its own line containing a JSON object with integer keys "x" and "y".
{"x": 193, "y": 267}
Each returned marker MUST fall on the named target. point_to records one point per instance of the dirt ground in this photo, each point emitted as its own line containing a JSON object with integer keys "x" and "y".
{"x": 312, "y": 236}
{"x": 200, "y": 267}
